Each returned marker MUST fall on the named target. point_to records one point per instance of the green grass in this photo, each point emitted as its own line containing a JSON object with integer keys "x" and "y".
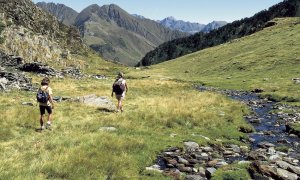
{"x": 268, "y": 60}
{"x": 76, "y": 148}
{"x": 232, "y": 172}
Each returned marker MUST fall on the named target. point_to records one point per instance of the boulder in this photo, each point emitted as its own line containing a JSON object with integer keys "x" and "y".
{"x": 102, "y": 103}
{"x": 209, "y": 172}
{"x": 284, "y": 174}
{"x": 191, "y": 146}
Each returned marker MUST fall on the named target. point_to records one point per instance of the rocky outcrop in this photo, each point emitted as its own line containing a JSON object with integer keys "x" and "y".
{"x": 36, "y": 35}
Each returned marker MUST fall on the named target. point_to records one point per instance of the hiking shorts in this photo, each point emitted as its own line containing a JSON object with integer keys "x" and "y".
{"x": 44, "y": 108}
{"x": 119, "y": 97}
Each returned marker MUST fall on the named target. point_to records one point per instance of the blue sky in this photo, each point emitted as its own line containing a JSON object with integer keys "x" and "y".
{"x": 202, "y": 11}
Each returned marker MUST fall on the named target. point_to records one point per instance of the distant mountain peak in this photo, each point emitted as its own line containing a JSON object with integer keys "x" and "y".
{"x": 186, "y": 26}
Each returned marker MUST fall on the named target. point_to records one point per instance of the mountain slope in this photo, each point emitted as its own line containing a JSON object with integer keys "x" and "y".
{"x": 120, "y": 36}
{"x": 268, "y": 60}
{"x": 63, "y": 13}
{"x": 189, "y": 27}
{"x": 237, "y": 29}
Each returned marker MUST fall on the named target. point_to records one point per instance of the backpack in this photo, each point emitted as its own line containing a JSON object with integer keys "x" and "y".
{"x": 42, "y": 96}
{"x": 118, "y": 87}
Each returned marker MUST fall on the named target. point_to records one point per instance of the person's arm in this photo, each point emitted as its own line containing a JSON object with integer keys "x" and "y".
{"x": 51, "y": 101}
{"x": 50, "y": 97}
{"x": 112, "y": 91}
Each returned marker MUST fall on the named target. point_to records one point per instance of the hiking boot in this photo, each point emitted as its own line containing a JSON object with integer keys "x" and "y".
{"x": 42, "y": 127}
{"x": 48, "y": 126}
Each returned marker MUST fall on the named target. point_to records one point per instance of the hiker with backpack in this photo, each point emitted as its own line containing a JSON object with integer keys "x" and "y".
{"x": 44, "y": 97}
{"x": 120, "y": 89}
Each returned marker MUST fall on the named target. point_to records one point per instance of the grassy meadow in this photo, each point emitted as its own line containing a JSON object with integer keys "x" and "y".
{"x": 77, "y": 149}
{"x": 268, "y": 59}
{"x": 162, "y": 109}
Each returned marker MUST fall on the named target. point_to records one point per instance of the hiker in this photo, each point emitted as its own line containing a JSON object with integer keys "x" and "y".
{"x": 120, "y": 89}
{"x": 44, "y": 97}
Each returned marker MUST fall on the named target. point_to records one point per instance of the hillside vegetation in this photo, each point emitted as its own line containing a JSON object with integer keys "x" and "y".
{"x": 268, "y": 60}
{"x": 237, "y": 29}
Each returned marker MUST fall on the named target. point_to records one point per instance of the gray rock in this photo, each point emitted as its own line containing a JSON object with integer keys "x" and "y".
{"x": 185, "y": 169}
{"x": 207, "y": 149}
{"x": 286, "y": 174}
{"x": 209, "y": 172}
{"x": 155, "y": 168}
{"x": 194, "y": 177}
{"x": 27, "y": 104}
{"x": 235, "y": 148}
{"x": 107, "y": 129}
{"x": 271, "y": 151}
{"x": 244, "y": 162}
{"x": 255, "y": 121}
{"x": 102, "y": 103}
{"x": 220, "y": 164}
{"x": 274, "y": 157}
{"x": 191, "y": 146}
{"x": 265, "y": 145}
{"x": 3, "y": 80}
{"x": 286, "y": 166}
{"x": 183, "y": 161}
{"x": 201, "y": 171}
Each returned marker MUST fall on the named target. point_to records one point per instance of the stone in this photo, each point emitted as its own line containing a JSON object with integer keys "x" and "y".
{"x": 209, "y": 172}
{"x": 221, "y": 163}
{"x": 228, "y": 153}
{"x": 284, "y": 174}
{"x": 185, "y": 169}
{"x": 265, "y": 145}
{"x": 3, "y": 80}
{"x": 235, "y": 148}
{"x": 271, "y": 151}
{"x": 207, "y": 149}
{"x": 212, "y": 163}
{"x": 286, "y": 166}
{"x": 204, "y": 156}
{"x": 102, "y": 103}
{"x": 255, "y": 121}
{"x": 244, "y": 149}
{"x": 274, "y": 157}
{"x": 194, "y": 177}
{"x": 244, "y": 162}
{"x": 27, "y": 104}
{"x": 183, "y": 161}
{"x": 155, "y": 168}
{"x": 107, "y": 129}
{"x": 191, "y": 146}
{"x": 201, "y": 171}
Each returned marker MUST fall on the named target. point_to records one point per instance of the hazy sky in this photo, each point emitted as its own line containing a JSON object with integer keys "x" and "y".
{"x": 202, "y": 11}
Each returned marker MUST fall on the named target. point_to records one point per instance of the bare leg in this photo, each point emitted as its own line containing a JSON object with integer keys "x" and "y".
{"x": 50, "y": 118}
{"x": 119, "y": 105}
{"x": 41, "y": 120}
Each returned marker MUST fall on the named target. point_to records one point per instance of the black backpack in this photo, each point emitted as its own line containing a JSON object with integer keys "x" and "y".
{"x": 118, "y": 87}
{"x": 42, "y": 96}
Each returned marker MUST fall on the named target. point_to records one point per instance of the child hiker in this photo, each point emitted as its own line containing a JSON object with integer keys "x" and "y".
{"x": 44, "y": 97}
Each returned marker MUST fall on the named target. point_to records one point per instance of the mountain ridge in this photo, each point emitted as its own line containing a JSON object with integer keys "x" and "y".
{"x": 190, "y": 27}
{"x": 236, "y": 29}
{"x": 63, "y": 13}
{"x": 119, "y": 36}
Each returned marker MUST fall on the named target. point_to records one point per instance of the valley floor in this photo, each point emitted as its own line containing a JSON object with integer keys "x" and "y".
{"x": 155, "y": 108}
